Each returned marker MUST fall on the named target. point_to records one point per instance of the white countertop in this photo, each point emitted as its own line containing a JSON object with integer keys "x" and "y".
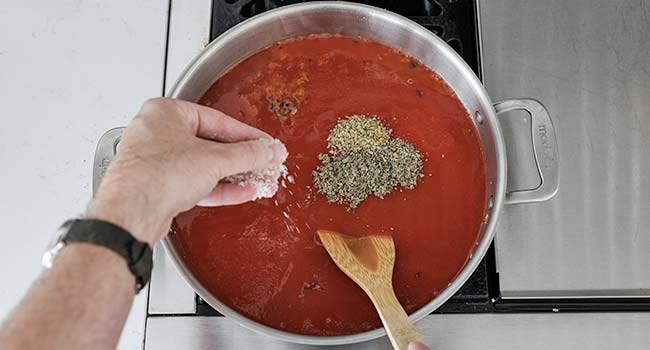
{"x": 69, "y": 70}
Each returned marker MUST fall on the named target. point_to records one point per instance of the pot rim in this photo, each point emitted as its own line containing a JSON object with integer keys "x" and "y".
{"x": 482, "y": 244}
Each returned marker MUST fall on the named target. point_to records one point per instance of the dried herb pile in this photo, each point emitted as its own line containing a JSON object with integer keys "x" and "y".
{"x": 364, "y": 160}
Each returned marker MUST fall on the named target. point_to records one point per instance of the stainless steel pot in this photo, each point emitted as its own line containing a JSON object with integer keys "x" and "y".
{"x": 410, "y": 38}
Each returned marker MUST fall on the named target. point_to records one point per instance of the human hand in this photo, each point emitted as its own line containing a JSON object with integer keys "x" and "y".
{"x": 417, "y": 346}
{"x": 172, "y": 155}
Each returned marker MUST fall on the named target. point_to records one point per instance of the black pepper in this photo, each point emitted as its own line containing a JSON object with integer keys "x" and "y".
{"x": 283, "y": 107}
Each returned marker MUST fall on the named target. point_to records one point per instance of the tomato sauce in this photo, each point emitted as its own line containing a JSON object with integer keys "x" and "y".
{"x": 263, "y": 259}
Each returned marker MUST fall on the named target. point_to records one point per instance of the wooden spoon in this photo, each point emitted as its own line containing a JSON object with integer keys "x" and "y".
{"x": 369, "y": 261}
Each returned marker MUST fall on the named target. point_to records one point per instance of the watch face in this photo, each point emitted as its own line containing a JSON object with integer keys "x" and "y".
{"x": 55, "y": 245}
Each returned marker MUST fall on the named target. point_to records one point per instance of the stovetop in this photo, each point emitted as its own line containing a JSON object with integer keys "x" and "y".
{"x": 589, "y": 240}
{"x": 455, "y": 21}
{"x": 490, "y": 288}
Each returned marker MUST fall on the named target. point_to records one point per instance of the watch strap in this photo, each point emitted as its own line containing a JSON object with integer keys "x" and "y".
{"x": 138, "y": 255}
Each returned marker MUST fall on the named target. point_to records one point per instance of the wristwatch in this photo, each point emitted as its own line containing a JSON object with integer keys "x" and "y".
{"x": 138, "y": 255}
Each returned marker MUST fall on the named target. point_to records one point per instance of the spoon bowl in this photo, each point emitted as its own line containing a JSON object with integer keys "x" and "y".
{"x": 369, "y": 262}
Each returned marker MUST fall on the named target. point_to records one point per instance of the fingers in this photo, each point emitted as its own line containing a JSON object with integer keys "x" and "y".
{"x": 229, "y": 194}
{"x": 417, "y": 346}
{"x": 240, "y": 157}
{"x": 215, "y": 125}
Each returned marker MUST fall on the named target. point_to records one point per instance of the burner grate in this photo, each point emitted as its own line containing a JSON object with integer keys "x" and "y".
{"x": 454, "y": 21}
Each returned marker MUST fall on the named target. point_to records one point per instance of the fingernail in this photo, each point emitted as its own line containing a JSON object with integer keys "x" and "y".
{"x": 279, "y": 151}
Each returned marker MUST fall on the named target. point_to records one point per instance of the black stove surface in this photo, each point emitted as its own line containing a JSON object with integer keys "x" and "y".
{"x": 455, "y": 21}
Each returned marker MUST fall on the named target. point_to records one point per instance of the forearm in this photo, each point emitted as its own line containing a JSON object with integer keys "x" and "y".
{"x": 81, "y": 303}
{"x": 169, "y": 160}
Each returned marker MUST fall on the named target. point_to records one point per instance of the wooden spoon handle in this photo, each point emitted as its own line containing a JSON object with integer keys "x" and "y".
{"x": 398, "y": 326}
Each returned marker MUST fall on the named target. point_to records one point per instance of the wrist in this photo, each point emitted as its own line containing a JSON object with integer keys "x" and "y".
{"x": 129, "y": 210}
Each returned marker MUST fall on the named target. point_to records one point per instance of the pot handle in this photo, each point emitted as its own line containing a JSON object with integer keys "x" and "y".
{"x": 544, "y": 148}
{"x": 106, "y": 149}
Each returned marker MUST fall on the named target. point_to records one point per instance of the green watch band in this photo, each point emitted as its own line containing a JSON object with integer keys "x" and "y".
{"x": 138, "y": 255}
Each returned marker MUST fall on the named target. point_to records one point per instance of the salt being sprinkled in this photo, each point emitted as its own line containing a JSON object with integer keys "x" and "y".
{"x": 265, "y": 181}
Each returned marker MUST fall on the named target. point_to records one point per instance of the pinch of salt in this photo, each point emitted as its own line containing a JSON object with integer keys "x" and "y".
{"x": 265, "y": 181}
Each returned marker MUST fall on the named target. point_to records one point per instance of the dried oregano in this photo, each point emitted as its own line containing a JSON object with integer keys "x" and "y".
{"x": 357, "y": 132}
{"x": 364, "y": 160}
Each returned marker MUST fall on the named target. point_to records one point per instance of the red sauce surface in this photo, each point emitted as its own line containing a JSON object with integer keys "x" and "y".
{"x": 271, "y": 268}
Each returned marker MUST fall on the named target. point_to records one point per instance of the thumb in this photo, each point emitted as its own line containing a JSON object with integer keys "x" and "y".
{"x": 241, "y": 157}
